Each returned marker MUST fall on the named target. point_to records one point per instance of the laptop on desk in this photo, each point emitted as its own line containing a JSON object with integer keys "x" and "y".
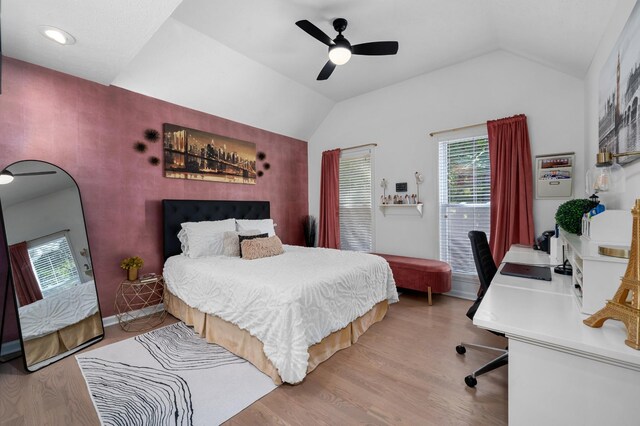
{"x": 527, "y": 271}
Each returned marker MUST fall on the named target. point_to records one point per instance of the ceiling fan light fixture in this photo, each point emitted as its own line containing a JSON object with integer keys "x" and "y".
{"x": 57, "y": 35}
{"x": 6, "y": 177}
{"x": 340, "y": 50}
{"x": 339, "y": 55}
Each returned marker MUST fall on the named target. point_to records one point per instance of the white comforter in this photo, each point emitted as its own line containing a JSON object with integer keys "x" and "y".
{"x": 58, "y": 310}
{"x": 289, "y": 302}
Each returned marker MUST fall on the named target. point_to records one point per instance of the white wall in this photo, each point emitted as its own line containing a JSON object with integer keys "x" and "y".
{"x": 48, "y": 214}
{"x": 618, "y": 20}
{"x": 185, "y": 67}
{"x": 400, "y": 117}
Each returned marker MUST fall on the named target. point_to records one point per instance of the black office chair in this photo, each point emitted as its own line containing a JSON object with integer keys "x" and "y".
{"x": 486, "y": 268}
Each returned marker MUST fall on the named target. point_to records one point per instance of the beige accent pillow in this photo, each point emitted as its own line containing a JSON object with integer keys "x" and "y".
{"x": 261, "y": 247}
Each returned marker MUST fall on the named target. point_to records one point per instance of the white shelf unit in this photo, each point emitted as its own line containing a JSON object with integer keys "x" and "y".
{"x": 384, "y": 207}
{"x": 595, "y": 277}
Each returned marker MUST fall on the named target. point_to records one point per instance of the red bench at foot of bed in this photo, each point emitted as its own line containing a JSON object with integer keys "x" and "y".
{"x": 432, "y": 276}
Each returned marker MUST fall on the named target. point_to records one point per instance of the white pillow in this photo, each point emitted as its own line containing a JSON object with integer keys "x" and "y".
{"x": 205, "y": 238}
{"x": 262, "y": 225}
{"x": 184, "y": 242}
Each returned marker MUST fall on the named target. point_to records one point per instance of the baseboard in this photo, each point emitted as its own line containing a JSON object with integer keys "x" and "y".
{"x": 113, "y": 319}
{"x": 464, "y": 287}
{"x": 13, "y": 347}
{"x": 10, "y": 347}
{"x": 462, "y": 295}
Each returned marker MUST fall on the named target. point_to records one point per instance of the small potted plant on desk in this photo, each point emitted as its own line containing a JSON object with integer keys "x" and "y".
{"x": 569, "y": 214}
{"x": 132, "y": 264}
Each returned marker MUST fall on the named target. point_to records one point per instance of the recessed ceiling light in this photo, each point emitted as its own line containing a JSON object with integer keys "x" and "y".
{"x": 56, "y": 34}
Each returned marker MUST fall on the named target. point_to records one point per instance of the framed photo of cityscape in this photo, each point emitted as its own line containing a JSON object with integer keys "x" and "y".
{"x": 197, "y": 155}
{"x": 619, "y": 91}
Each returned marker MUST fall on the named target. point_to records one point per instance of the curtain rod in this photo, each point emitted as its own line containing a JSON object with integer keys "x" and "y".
{"x": 358, "y": 146}
{"x": 432, "y": 134}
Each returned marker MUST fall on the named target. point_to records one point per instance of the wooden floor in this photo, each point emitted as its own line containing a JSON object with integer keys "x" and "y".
{"x": 404, "y": 370}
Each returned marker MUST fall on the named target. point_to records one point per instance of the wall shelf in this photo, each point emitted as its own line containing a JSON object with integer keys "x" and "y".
{"x": 384, "y": 207}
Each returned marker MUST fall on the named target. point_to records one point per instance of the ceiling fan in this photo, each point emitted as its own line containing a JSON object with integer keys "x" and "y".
{"x": 7, "y": 177}
{"x": 340, "y": 50}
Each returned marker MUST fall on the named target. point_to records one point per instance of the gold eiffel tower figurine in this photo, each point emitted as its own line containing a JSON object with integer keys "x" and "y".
{"x": 620, "y": 308}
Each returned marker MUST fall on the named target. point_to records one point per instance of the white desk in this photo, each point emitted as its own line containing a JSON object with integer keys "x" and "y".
{"x": 519, "y": 254}
{"x": 560, "y": 370}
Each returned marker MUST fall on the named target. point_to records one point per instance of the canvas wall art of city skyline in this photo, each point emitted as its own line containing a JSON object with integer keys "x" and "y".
{"x": 619, "y": 95}
{"x": 197, "y": 155}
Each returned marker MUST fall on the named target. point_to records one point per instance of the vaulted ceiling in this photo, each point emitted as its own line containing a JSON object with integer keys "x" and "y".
{"x": 247, "y": 61}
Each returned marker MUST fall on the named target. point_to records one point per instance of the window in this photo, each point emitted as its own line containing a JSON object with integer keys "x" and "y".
{"x": 464, "y": 199}
{"x": 53, "y": 263}
{"x": 356, "y": 201}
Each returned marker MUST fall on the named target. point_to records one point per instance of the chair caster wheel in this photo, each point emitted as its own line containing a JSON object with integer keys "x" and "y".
{"x": 461, "y": 349}
{"x": 471, "y": 381}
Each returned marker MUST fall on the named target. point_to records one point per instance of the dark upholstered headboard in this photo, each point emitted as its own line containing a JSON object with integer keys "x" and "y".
{"x": 175, "y": 212}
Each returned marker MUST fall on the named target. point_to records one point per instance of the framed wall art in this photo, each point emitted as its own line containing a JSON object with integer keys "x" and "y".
{"x": 197, "y": 155}
{"x": 619, "y": 89}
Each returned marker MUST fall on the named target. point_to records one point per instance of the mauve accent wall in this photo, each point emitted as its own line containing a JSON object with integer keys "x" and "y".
{"x": 89, "y": 130}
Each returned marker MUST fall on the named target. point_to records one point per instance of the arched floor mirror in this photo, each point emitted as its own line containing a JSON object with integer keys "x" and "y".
{"x": 50, "y": 269}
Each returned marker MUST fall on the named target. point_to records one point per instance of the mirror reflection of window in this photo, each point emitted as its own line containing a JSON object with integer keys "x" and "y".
{"x": 53, "y": 263}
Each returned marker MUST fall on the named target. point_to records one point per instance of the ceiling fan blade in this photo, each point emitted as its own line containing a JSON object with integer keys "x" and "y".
{"x": 36, "y": 173}
{"x": 326, "y": 71}
{"x": 314, "y": 32}
{"x": 375, "y": 48}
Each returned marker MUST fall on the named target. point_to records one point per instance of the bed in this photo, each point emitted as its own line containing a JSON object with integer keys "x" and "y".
{"x": 60, "y": 322}
{"x": 285, "y": 314}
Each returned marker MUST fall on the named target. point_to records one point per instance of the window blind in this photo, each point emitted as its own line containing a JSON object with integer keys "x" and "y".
{"x": 464, "y": 195}
{"x": 53, "y": 263}
{"x": 356, "y": 206}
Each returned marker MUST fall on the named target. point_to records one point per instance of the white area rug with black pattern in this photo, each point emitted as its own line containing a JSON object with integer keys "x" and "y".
{"x": 170, "y": 376}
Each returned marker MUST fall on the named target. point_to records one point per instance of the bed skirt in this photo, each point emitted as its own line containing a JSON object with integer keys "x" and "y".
{"x": 61, "y": 341}
{"x": 243, "y": 344}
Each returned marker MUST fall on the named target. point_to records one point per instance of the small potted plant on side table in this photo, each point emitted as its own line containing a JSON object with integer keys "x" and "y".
{"x": 132, "y": 264}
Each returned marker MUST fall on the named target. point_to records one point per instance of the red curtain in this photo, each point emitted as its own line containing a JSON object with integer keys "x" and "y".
{"x": 511, "y": 185}
{"x": 24, "y": 280}
{"x": 330, "y": 200}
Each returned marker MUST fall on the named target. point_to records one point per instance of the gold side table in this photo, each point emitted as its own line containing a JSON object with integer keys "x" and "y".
{"x": 133, "y": 300}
